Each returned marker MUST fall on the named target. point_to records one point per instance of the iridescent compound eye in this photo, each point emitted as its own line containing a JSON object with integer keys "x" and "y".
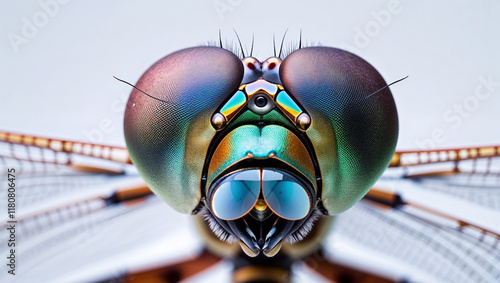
{"x": 173, "y": 129}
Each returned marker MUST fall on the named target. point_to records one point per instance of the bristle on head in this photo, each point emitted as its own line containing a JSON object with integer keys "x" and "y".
{"x": 304, "y": 230}
{"x": 220, "y": 232}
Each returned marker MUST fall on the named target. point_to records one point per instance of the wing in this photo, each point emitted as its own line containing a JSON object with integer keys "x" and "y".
{"x": 433, "y": 217}
{"x": 82, "y": 213}
{"x": 82, "y": 209}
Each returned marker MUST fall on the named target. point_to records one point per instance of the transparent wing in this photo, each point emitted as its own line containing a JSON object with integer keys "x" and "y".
{"x": 433, "y": 217}
{"x": 82, "y": 214}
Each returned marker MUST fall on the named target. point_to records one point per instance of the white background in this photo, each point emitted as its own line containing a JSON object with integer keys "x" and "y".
{"x": 59, "y": 82}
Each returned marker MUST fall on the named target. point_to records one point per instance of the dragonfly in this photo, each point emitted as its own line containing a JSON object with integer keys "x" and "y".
{"x": 431, "y": 216}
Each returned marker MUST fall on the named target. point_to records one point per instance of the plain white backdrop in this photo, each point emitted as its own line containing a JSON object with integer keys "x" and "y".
{"x": 58, "y": 58}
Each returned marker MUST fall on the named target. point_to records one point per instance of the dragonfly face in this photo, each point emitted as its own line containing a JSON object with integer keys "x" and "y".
{"x": 261, "y": 147}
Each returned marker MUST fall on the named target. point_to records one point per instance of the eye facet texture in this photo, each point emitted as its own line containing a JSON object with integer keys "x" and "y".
{"x": 168, "y": 140}
{"x": 354, "y": 134}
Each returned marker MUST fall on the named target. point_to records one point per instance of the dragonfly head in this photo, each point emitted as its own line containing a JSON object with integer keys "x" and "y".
{"x": 262, "y": 148}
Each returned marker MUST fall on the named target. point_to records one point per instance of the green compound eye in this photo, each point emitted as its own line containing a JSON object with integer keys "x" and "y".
{"x": 353, "y": 132}
{"x": 168, "y": 137}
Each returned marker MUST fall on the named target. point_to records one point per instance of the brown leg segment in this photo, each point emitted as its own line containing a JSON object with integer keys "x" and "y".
{"x": 341, "y": 273}
{"x": 172, "y": 273}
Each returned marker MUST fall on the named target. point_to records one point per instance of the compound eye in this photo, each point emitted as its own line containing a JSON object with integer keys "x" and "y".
{"x": 252, "y": 68}
{"x": 270, "y": 70}
{"x": 188, "y": 86}
{"x": 359, "y": 130}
